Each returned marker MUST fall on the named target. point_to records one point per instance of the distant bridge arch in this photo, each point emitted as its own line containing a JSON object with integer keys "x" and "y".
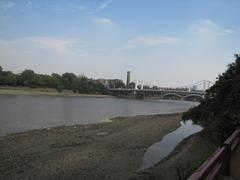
{"x": 172, "y": 95}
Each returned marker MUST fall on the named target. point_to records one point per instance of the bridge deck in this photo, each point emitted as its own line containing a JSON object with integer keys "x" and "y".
{"x": 159, "y": 90}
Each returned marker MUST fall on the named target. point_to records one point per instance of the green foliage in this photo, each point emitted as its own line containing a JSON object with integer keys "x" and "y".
{"x": 69, "y": 81}
{"x": 220, "y": 111}
{"x": 26, "y": 77}
{"x": 8, "y": 78}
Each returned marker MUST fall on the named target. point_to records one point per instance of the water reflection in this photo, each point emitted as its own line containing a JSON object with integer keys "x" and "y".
{"x": 160, "y": 150}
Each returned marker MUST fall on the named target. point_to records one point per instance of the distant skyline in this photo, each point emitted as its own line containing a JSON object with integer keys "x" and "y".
{"x": 166, "y": 43}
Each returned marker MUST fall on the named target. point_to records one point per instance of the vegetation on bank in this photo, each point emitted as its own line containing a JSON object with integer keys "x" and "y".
{"x": 69, "y": 81}
{"x": 219, "y": 112}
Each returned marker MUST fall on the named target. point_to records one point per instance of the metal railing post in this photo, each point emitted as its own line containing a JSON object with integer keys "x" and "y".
{"x": 227, "y": 160}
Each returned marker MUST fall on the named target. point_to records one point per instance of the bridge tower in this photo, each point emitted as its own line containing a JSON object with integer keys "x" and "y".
{"x": 128, "y": 78}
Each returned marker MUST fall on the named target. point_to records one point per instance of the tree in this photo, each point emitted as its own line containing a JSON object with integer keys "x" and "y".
{"x": 220, "y": 109}
{"x": 1, "y": 80}
{"x": 68, "y": 79}
{"x": 26, "y": 78}
{"x": 80, "y": 84}
{"x": 8, "y": 78}
{"x": 57, "y": 82}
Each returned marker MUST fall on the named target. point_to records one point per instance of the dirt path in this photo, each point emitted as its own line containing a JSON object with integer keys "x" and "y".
{"x": 98, "y": 151}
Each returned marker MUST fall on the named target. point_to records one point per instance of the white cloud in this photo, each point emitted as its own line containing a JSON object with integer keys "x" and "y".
{"x": 7, "y": 4}
{"x": 145, "y": 41}
{"x": 101, "y": 7}
{"x": 71, "y": 8}
{"x": 58, "y": 46}
{"x": 103, "y": 21}
{"x": 208, "y": 36}
{"x": 209, "y": 29}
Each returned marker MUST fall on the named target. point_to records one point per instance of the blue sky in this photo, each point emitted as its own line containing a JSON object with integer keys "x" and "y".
{"x": 167, "y": 43}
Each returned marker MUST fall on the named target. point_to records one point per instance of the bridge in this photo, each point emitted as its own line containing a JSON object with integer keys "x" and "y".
{"x": 189, "y": 92}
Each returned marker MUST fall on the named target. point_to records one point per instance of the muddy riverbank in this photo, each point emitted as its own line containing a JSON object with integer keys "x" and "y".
{"x": 8, "y": 90}
{"x": 183, "y": 161}
{"x": 110, "y": 150}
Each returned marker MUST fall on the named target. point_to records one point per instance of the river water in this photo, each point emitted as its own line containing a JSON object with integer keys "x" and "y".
{"x": 20, "y": 113}
{"x": 163, "y": 148}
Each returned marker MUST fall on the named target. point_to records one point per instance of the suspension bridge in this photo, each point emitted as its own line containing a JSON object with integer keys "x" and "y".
{"x": 141, "y": 90}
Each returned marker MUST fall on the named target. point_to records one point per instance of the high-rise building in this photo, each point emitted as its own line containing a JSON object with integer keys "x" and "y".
{"x": 128, "y": 79}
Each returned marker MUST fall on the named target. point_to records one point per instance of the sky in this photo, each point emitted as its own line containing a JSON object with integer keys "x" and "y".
{"x": 167, "y": 43}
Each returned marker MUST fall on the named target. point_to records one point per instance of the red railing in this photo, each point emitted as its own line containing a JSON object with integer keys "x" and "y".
{"x": 220, "y": 162}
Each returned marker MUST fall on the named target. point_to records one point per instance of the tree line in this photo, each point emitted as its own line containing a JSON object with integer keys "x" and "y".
{"x": 69, "y": 81}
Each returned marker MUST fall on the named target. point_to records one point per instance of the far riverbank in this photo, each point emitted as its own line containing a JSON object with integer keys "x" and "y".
{"x": 8, "y": 90}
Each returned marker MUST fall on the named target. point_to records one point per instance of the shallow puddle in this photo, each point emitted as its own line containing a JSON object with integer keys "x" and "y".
{"x": 160, "y": 150}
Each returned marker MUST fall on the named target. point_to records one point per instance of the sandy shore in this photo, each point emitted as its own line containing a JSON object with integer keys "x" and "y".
{"x": 111, "y": 150}
{"x": 43, "y": 91}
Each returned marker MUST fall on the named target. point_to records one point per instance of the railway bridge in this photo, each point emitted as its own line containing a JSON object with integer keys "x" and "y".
{"x": 192, "y": 92}
{"x": 162, "y": 93}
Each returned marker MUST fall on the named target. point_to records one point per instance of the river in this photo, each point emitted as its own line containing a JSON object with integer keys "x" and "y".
{"x": 159, "y": 150}
{"x": 20, "y": 113}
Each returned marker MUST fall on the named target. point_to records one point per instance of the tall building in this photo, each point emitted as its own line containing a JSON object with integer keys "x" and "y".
{"x": 128, "y": 79}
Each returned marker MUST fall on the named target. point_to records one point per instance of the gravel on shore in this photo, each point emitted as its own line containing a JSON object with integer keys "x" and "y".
{"x": 103, "y": 151}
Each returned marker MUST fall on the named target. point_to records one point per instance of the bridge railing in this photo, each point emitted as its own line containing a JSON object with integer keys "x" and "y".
{"x": 157, "y": 90}
{"x": 220, "y": 163}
